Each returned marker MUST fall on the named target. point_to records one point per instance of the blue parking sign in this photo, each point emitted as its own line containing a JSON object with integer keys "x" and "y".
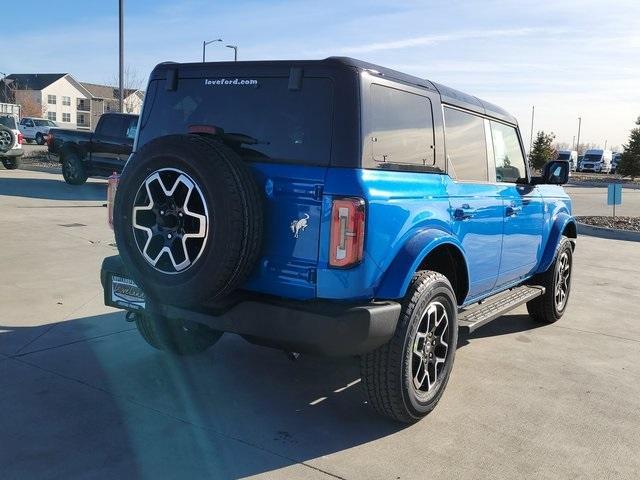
{"x": 614, "y": 194}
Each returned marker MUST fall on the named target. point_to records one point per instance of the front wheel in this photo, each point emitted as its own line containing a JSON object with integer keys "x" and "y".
{"x": 405, "y": 378}
{"x": 73, "y": 169}
{"x": 550, "y": 307}
{"x": 177, "y": 336}
{"x": 11, "y": 163}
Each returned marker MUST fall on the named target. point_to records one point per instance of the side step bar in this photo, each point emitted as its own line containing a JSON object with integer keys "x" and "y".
{"x": 494, "y": 307}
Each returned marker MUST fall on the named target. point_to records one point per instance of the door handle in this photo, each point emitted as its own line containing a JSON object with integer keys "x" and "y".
{"x": 512, "y": 211}
{"x": 465, "y": 212}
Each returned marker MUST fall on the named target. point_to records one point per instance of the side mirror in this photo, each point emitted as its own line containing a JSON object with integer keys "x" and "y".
{"x": 555, "y": 172}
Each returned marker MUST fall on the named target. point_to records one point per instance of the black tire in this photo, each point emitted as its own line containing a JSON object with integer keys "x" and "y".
{"x": 11, "y": 163}
{"x": 231, "y": 202}
{"x": 388, "y": 372}
{"x": 176, "y": 336}
{"x": 73, "y": 169}
{"x": 547, "y": 308}
{"x": 7, "y": 139}
{"x": 39, "y": 138}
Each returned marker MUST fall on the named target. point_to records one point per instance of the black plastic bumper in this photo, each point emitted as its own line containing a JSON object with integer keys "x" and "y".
{"x": 318, "y": 327}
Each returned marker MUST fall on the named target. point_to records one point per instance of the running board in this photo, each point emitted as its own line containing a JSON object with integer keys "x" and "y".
{"x": 495, "y": 307}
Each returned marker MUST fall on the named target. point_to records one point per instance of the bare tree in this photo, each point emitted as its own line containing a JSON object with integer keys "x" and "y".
{"x": 131, "y": 82}
{"x": 29, "y": 105}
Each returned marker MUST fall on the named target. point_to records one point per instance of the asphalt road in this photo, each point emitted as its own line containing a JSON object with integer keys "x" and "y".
{"x": 82, "y": 396}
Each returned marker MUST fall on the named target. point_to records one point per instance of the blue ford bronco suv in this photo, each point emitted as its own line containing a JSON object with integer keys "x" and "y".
{"x": 333, "y": 207}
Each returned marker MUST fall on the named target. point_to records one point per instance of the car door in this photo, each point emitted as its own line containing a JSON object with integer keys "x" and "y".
{"x": 522, "y": 205}
{"x": 27, "y": 128}
{"x": 476, "y": 205}
{"x": 107, "y": 143}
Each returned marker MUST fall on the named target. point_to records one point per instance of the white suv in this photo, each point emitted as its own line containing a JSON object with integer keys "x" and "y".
{"x": 10, "y": 141}
{"x": 36, "y": 129}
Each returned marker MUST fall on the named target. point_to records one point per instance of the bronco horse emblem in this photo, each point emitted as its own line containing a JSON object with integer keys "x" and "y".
{"x": 298, "y": 226}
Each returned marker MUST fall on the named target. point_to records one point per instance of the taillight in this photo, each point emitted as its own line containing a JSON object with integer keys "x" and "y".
{"x": 112, "y": 186}
{"x": 50, "y": 139}
{"x": 347, "y": 232}
{"x": 20, "y": 139}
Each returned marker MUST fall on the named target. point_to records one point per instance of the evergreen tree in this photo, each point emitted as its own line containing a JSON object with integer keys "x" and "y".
{"x": 542, "y": 150}
{"x": 630, "y": 161}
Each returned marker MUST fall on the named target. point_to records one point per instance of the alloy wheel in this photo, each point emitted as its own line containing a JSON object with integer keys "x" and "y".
{"x": 430, "y": 348}
{"x": 170, "y": 221}
{"x": 563, "y": 279}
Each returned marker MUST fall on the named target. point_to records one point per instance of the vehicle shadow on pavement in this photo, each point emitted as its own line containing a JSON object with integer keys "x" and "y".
{"x": 81, "y": 401}
{"x": 507, "y": 325}
{"x": 48, "y": 189}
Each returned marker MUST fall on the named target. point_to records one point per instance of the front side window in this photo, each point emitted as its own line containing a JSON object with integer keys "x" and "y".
{"x": 510, "y": 166}
{"x": 466, "y": 146}
{"x": 66, "y": 101}
{"x": 401, "y": 128}
{"x": 66, "y": 117}
{"x": 51, "y": 116}
{"x": 51, "y": 99}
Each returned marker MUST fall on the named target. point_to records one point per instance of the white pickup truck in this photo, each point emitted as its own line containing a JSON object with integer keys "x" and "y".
{"x": 36, "y": 129}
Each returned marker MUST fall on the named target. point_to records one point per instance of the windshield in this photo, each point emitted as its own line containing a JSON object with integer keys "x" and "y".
{"x": 8, "y": 121}
{"x": 564, "y": 156}
{"x": 593, "y": 157}
{"x": 269, "y": 122}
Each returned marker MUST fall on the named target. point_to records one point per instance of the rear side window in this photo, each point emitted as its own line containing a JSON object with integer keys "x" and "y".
{"x": 466, "y": 146}
{"x": 507, "y": 153}
{"x": 276, "y": 123}
{"x": 111, "y": 126}
{"x": 401, "y": 129}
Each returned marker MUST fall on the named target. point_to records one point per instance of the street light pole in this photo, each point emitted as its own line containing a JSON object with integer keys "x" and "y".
{"x": 578, "y": 142}
{"x": 121, "y": 56}
{"x": 204, "y": 47}
{"x": 235, "y": 51}
{"x": 533, "y": 112}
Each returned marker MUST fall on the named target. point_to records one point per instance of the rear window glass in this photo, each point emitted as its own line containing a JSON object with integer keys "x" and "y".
{"x": 8, "y": 121}
{"x": 277, "y": 124}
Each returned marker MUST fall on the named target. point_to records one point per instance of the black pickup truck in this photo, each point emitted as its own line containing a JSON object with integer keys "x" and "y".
{"x": 99, "y": 153}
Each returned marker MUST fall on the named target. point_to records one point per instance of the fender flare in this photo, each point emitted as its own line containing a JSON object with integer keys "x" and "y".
{"x": 70, "y": 147}
{"x": 398, "y": 275}
{"x": 560, "y": 223}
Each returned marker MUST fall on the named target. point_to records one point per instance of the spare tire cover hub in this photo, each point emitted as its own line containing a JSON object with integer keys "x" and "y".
{"x": 170, "y": 220}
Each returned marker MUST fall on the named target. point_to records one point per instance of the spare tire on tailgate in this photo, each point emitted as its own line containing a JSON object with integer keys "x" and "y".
{"x": 188, "y": 219}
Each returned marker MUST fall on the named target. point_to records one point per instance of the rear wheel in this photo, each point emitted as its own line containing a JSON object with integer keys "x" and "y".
{"x": 73, "y": 169}
{"x": 550, "y": 307}
{"x": 177, "y": 336}
{"x": 11, "y": 163}
{"x": 39, "y": 139}
{"x": 405, "y": 378}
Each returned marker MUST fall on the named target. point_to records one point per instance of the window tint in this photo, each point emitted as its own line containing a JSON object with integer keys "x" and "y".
{"x": 401, "y": 127}
{"x": 507, "y": 152}
{"x": 132, "y": 127}
{"x": 8, "y": 121}
{"x": 466, "y": 145}
{"x": 269, "y": 121}
{"x": 111, "y": 126}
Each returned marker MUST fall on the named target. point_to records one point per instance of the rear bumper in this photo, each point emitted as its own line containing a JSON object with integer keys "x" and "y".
{"x": 13, "y": 153}
{"x": 317, "y": 327}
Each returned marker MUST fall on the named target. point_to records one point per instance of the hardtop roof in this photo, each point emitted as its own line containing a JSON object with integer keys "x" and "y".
{"x": 448, "y": 95}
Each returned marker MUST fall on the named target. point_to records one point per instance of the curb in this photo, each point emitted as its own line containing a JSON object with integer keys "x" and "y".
{"x": 610, "y": 233}
{"x": 625, "y": 185}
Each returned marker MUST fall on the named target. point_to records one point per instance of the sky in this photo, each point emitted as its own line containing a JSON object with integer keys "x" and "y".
{"x": 573, "y": 58}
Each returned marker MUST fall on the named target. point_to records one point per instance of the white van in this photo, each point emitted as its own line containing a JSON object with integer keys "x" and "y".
{"x": 571, "y": 156}
{"x": 596, "y": 160}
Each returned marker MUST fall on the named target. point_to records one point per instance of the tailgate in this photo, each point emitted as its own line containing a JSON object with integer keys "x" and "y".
{"x": 293, "y": 211}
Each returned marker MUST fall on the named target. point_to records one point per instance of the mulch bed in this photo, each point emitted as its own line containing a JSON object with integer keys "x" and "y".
{"x": 619, "y": 223}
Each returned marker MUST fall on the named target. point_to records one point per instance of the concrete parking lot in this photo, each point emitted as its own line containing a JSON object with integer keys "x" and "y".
{"x": 82, "y": 395}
